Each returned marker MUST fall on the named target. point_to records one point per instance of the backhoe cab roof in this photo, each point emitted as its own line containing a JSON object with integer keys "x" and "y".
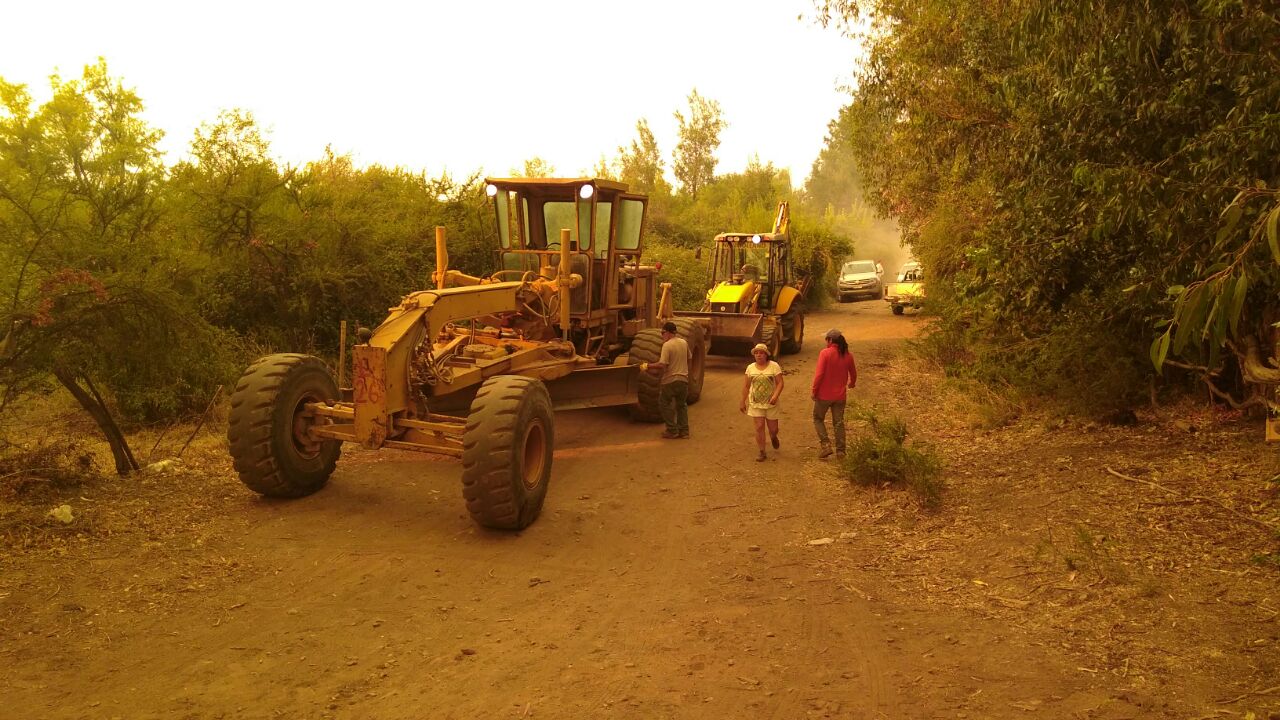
{"x": 556, "y": 187}
{"x": 748, "y": 237}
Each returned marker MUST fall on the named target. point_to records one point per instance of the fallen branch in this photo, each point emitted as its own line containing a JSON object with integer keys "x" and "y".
{"x": 200, "y": 424}
{"x": 1251, "y": 693}
{"x": 1253, "y": 521}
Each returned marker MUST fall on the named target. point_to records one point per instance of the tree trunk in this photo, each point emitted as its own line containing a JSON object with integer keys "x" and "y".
{"x": 92, "y": 404}
{"x": 1254, "y": 366}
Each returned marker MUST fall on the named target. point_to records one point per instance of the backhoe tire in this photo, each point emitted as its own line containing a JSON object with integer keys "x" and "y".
{"x": 507, "y": 448}
{"x": 769, "y": 336}
{"x": 646, "y": 347}
{"x": 693, "y": 334}
{"x": 793, "y": 331}
{"x": 268, "y": 422}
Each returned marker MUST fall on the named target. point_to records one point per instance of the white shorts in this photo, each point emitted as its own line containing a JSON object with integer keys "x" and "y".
{"x": 768, "y": 413}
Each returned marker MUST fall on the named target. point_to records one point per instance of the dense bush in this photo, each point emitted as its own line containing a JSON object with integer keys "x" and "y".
{"x": 880, "y": 455}
{"x": 1075, "y": 176}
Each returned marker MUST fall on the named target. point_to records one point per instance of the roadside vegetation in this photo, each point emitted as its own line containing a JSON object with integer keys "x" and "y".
{"x": 1092, "y": 187}
{"x": 141, "y": 289}
{"x": 879, "y": 455}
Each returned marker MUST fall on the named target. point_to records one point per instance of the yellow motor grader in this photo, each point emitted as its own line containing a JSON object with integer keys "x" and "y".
{"x": 474, "y": 368}
{"x": 755, "y": 295}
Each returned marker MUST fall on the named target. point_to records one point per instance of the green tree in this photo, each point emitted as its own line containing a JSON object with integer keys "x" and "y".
{"x": 98, "y": 297}
{"x": 230, "y": 178}
{"x": 1062, "y": 169}
{"x": 641, "y": 166}
{"x": 535, "y": 167}
{"x": 694, "y": 159}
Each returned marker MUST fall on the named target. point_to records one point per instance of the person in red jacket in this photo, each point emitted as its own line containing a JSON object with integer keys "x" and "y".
{"x": 836, "y": 374}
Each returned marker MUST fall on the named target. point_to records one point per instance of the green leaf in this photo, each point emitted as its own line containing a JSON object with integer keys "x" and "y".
{"x": 1175, "y": 290}
{"x": 1231, "y": 217}
{"x": 1190, "y": 317}
{"x": 1131, "y": 288}
{"x": 1159, "y": 349}
{"x": 1237, "y": 302}
{"x": 1273, "y": 232}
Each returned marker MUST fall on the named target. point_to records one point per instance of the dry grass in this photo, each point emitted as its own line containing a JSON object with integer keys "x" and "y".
{"x": 1147, "y": 550}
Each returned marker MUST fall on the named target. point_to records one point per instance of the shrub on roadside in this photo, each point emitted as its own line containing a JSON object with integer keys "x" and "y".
{"x": 880, "y": 455}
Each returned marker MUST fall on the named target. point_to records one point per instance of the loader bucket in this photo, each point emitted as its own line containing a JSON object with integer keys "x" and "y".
{"x": 730, "y": 333}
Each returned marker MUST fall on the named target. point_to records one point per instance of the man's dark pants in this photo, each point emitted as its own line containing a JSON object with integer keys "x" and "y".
{"x": 673, "y": 400}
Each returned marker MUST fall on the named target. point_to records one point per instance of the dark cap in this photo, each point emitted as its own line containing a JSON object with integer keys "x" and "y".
{"x": 833, "y": 333}
{"x": 670, "y": 327}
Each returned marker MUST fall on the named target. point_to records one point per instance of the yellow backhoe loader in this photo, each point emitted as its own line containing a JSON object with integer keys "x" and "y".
{"x": 755, "y": 295}
{"x": 474, "y": 368}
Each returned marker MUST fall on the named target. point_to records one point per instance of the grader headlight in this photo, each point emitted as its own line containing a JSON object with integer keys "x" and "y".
{"x": 586, "y": 191}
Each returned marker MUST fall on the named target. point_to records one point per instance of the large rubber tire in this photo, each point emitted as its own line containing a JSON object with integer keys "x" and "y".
{"x": 793, "y": 327}
{"x": 267, "y": 428}
{"x": 646, "y": 347}
{"x": 769, "y": 336}
{"x": 693, "y": 334}
{"x": 507, "y": 449}
{"x": 898, "y": 309}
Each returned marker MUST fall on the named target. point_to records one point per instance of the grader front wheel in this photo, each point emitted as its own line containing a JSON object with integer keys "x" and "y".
{"x": 506, "y": 452}
{"x": 271, "y": 447}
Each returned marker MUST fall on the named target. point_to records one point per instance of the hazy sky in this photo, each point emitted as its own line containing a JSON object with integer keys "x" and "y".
{"x": 455, "y": 86}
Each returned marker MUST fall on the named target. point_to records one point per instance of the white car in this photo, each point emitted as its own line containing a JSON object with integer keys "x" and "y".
{"x": 860, "y": 278}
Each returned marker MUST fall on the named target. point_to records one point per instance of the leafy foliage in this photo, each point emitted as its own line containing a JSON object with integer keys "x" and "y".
{"x": 694, "y": 161}
{"x": 640, "y": 166}
{"x": 881, "y": 455}
{"x": 159, "y": 283}
{"x": 1042, "y": 156}
{"x": 95, "y": 286}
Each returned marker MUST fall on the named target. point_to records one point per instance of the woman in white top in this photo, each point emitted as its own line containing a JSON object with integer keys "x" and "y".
{"x": 760, "y": 390}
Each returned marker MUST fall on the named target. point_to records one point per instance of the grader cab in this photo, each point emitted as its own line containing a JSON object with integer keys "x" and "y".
{"x": 475, "y": 367}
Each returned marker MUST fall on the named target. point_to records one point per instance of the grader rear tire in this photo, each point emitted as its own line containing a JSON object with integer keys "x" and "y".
{"x": 693, "y": 334}
{"x": 506, "y": 452}
{"x": 646, "y": 347}
{"x": 268, "y": 426}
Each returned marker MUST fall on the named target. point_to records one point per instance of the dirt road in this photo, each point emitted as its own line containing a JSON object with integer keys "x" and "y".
{"x": 665, "y": 579}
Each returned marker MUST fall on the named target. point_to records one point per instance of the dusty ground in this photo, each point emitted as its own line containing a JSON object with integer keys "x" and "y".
{"x": 1073, "y": 571}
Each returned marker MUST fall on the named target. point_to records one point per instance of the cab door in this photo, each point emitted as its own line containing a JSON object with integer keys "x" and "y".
{"x": 626, "y": 227}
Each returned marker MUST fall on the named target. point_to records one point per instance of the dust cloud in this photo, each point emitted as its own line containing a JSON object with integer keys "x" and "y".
{"x": 881, "y": 240}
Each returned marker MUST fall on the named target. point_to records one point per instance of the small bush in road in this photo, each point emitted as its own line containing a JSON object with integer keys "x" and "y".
{"x": 880, "y": 455}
